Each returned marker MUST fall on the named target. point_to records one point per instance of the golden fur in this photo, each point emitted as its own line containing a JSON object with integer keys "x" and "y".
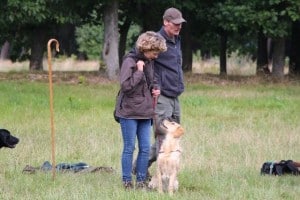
{"x": 168, "y": 159}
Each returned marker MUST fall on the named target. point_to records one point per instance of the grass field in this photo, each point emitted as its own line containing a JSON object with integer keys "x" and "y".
{"x": 232, "y": 127}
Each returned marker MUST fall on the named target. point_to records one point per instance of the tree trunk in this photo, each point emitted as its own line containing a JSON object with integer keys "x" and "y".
{"x": 187, "y": 53}
{"x": 278, "y": 57}
{"x": 4, "y": 51}
{"x": 262, "y": 55}
{"x": 111, "y": 39}
{"x": 294, "y": 68}
{"x": 150, "y": 15}
{"x": 38, "y": 47}
{"x": 223, "y": 48}
{"x": 124, "y": 28}
{"x": 66, "y": 38}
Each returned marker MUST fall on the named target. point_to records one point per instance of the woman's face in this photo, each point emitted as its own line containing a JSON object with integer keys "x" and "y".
{"x": 152, "y": 54}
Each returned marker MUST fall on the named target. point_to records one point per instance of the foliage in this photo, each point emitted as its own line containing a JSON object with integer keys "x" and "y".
{"x": 27, "y": 12}
{"x": 229, "y": 16}
{"x": 133, "y": 34}
{"x": 240, "y": 19}
{"x": 89, "y": 38}
{"x": 276, "y": 16}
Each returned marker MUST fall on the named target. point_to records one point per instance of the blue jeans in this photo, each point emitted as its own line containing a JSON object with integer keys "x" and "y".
{"x": 132, "y": 129}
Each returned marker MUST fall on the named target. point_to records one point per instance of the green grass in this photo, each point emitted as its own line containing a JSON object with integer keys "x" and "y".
{"x": 231, "y": 129}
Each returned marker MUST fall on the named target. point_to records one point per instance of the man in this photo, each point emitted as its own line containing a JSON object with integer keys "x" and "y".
{"x": 169, "y": 74}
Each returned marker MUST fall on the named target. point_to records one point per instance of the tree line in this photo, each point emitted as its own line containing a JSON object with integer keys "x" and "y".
{"x": 267, "y": 30}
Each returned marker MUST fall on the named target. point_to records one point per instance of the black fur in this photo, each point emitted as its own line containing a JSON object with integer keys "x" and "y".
{"x": 7, "y": 140}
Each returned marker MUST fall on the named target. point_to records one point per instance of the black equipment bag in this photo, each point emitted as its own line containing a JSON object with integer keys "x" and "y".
{"x": 279, "y": 168}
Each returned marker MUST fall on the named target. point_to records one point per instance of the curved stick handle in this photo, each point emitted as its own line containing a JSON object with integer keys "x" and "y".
{"x": 49, "y": 52}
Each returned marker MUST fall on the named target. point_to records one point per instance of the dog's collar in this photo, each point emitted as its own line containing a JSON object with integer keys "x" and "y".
{"x": 171, "y": 151}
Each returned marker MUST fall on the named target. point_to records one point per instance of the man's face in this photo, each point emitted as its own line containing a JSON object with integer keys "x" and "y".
{"x": 171, "y": 28}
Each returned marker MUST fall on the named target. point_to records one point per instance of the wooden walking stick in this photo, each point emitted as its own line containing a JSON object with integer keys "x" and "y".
{"x": 51, "y": 102}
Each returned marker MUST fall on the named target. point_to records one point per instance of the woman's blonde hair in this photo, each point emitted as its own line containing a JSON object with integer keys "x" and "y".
{"x": 151, "y": 41}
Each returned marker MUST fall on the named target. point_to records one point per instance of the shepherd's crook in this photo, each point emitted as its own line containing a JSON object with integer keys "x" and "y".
{"x": 51, "y": 103}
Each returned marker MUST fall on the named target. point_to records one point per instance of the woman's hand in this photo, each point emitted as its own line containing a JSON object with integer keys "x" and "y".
{"x": 140, "y": 65}
{"x": 155, "y": 93}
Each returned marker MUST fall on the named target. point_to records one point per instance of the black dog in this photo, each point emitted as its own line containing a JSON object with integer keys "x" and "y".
{"x": 7, "y": 140}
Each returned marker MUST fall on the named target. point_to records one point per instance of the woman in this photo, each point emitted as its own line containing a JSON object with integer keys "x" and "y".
{"x": 135, "y": 109}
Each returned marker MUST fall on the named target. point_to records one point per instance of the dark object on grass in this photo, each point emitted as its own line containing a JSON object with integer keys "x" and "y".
{"x": 7, "y": 140}
{"x": 67, "y": 167}
{"x": 280, "y": 168}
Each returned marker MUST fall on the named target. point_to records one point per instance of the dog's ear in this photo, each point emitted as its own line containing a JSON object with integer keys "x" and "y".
{"x": 178, "y": 132}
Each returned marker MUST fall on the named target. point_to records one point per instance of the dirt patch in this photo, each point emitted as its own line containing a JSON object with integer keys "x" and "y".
{"x": 214, "y": 79}
{"x": 59, "y": 77}
{"x": 100, "y": 77}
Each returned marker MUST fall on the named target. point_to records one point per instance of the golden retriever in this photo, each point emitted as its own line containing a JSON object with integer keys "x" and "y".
{"x": 168, "y": 159}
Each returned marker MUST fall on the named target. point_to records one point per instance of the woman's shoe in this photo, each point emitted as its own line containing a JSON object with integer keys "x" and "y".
{"x": 127, "y": 185}
{"x": 141, "y": 185}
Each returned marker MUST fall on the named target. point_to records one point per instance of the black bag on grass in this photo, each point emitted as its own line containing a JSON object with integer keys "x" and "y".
{"x": 279, "y": 168}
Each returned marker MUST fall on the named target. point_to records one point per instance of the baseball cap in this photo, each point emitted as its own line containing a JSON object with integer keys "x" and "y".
{"x": 173, "y": 15}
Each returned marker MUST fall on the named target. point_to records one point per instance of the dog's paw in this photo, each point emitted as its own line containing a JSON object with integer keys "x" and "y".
{"x": 176, "y": 185}
{"x": 153, "y": 183}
